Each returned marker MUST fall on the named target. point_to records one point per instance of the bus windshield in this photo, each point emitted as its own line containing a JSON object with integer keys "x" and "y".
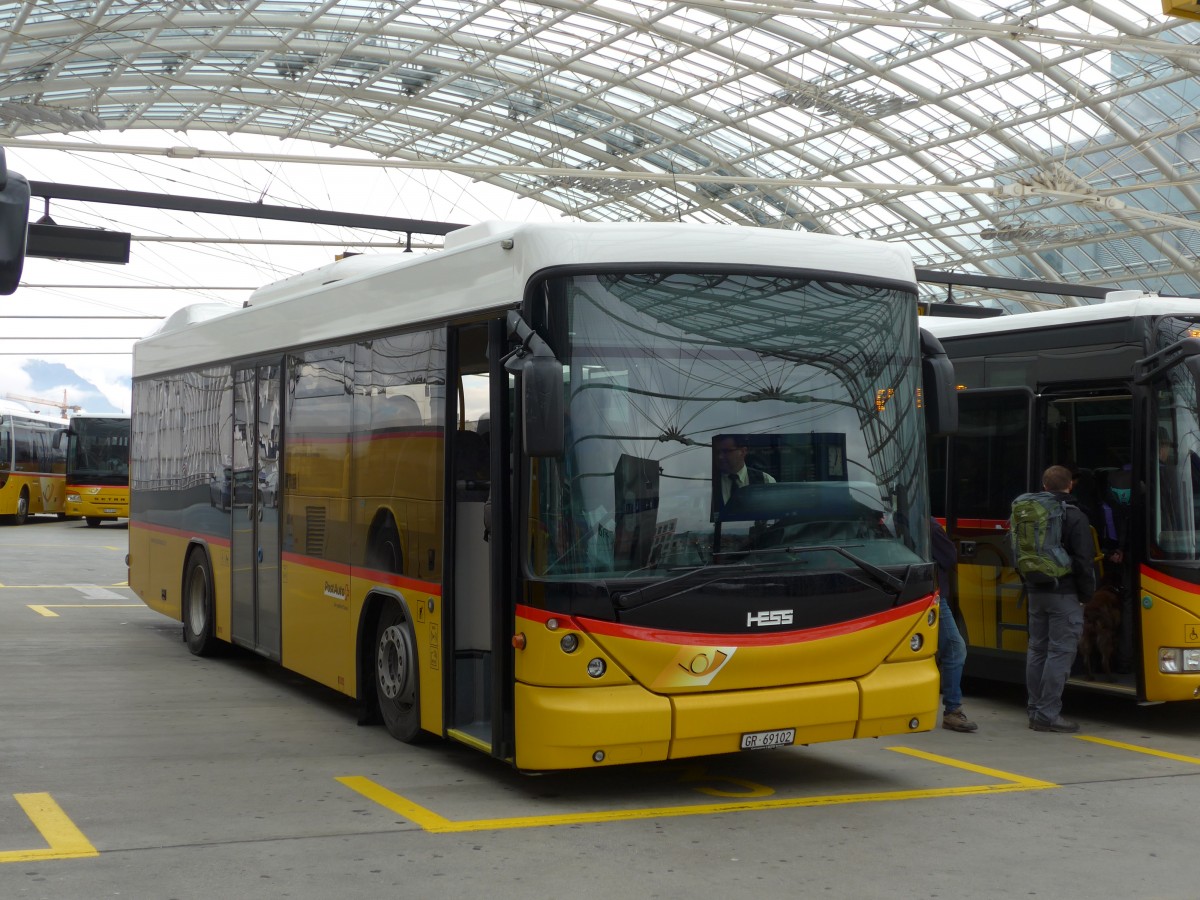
{"x": 729, "y": 417}
{"x": 98, "y": 451}
{"x": 1175, "y": 469}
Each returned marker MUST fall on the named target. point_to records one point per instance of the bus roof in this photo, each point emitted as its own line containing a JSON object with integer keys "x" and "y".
{"x": 15, "y": 412}
{"x": 484, "y": 267}
{"x": 950, "y": 327}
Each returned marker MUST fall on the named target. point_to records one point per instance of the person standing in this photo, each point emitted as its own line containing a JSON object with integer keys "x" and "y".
{"x": 952, "y": 649}
{"x": 1056, "y": 613}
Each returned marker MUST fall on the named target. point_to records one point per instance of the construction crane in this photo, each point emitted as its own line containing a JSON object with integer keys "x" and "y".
{"x": 64, "y": 406}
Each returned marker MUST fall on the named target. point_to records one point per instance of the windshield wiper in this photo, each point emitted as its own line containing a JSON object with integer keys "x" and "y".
{"x": 717, "y": 571}
{"x": 706, "y": 574}
{"x": 881, "y": 577}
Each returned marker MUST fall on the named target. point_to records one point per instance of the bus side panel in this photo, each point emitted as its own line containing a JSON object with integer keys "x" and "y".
{"x": 47, "y": 493}
{"x": 318, "y": 640}
{"x": 156, "y": 557}
{"x": 1170, "y": 614}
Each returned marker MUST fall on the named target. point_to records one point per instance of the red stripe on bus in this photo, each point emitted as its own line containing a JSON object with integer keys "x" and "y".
{"x": 690, "y": 638}
{"x": 340, "y": 568}
{"x": 982, "y": 524}
{"x": 179, "y": 532}
{"x": 1168, "y": 580}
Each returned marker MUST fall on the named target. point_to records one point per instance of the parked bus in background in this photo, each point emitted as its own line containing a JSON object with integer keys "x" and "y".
{"x": 1109, "y": 390}
{"x": 481, "y": 491}
{"x": 32, "y": 466}
{"x": 97, "y": 487}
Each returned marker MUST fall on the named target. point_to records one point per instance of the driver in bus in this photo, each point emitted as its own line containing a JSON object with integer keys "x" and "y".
{"x": 731, "y": 463}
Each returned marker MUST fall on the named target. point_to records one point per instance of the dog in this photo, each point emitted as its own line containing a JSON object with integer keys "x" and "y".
{"x": 1101, "y": 622}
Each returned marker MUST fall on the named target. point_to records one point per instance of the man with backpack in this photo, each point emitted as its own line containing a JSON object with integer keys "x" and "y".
{"x": 1053, "y": 553}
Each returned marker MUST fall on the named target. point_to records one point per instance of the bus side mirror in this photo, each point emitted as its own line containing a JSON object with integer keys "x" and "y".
{"x": 14, "y": 226}
{"x": 938, "y": 387}
{"x": 540, "y": 374}
{"x": 542, "y": 421}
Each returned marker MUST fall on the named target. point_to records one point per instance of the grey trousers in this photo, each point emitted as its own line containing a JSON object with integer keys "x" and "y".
{"x": 1055, "y": 624}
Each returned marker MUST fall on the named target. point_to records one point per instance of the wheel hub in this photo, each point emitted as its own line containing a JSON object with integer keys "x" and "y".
{"x": 393, "y": 662}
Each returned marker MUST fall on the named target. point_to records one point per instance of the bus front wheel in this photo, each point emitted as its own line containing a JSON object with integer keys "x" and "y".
{"x": 93, "y": 521}
{"x": 198, "y": 605}
{"x": 396, "y": 680}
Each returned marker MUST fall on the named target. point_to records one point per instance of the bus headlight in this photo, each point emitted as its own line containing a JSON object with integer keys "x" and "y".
{"x": 72, "y": 498}
{"x": 1172, "y": 660}
{"x": 916, "y": 642}
{"x": 596, "y": 667}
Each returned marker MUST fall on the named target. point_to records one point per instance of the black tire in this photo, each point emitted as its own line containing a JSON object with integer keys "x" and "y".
{"x": 397, "y": 683}
{"x": 21, "y": 516}
{"x": 93, "y": 521}
{"x": 198, "y": 606}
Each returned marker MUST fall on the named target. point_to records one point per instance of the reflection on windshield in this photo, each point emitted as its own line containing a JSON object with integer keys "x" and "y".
{"x": 714, "y": 415}
{"x": 98, "y": 450}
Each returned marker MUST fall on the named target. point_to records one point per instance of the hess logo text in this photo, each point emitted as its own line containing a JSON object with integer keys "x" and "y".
{"x": 769, "y": 617}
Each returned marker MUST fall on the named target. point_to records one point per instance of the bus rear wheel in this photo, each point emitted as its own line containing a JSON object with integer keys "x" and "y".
{"x": 397, "y": 684}
{"x": 199, "y": 613}
{"x": 21, "y": 516}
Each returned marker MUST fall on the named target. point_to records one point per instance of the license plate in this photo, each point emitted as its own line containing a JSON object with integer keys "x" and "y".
{"x": 111, "y": 512}
{"x": 761, "y": 740}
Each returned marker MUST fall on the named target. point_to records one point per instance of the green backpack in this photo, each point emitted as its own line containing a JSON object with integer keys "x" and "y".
{"x": 1036, "y": 536}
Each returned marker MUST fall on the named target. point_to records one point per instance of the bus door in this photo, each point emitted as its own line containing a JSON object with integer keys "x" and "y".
{"x": 988, "y": 464}
{"x": 474, "y": 598}
{"x": 254, "y": 541}
{"x": 1092, "y": 432}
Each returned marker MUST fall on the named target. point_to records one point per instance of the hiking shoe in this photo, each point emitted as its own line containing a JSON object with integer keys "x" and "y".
{"x": 1058, "y": 726}
{"x": 956, "y": 720}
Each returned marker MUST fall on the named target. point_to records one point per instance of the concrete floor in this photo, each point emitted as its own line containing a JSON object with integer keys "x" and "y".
{"x": 129, "y": 768}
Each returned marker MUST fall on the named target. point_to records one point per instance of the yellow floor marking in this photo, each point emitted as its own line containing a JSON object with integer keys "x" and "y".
{"x": 64, "y": 839}
{"x": 34, "y": 587}
{"x": 1032, "y": 784}
{"x": 52, "y": 587}
{"x": 1136, "y": 749}
{"x": 432, "y": 822}
{"x": 46, "y": 609}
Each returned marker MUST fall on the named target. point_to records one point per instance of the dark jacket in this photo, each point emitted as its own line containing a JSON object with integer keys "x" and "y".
{"x": 945, "y": 556}
{"x": 1077, "y": 541}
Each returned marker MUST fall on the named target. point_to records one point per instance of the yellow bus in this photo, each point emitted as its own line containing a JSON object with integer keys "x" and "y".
{"x": 97, "y": 484}
{"x": 32, "y": 466}
{"x": 483, "y": 491}
{"x": 1110, "y": 390}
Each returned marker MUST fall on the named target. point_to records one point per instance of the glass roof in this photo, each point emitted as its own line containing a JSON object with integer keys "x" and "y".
{"x": 1031, "y": 138}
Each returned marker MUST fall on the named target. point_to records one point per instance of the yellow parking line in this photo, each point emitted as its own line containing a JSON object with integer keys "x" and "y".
{"x": 64, "y": 840}
{"x": 1136, "y": 749}
{"x": 45, "y": 610}
{"x": 53, "y": 587}
{"x": 432, "y": 822}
